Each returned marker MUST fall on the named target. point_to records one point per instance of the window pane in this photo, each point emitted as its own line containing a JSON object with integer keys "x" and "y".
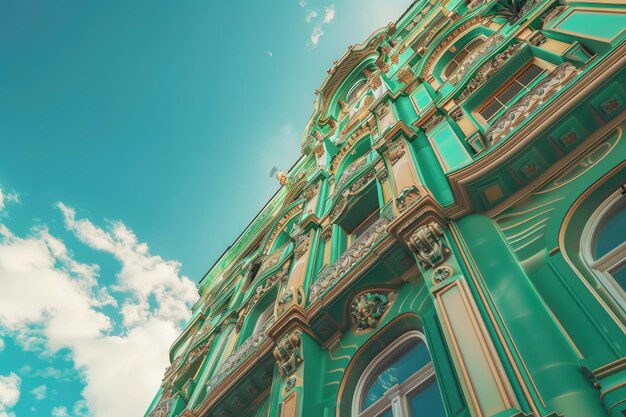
{"x": 490, "y": 109}
{"x": 387, "y": 413}
{"x": 452, "y": 66}
{"x": 397, "y": 371}
{"x": 427, "y": 401}
{"x": 509, "y": 93}
{"x": 474, "y": 44}
{"x": 620, "y": 276}
{"x": 612, "y": 232}
{"x": 529, "y": 74}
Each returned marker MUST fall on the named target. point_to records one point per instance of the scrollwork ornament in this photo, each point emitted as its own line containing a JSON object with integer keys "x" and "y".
{"x": 288, "y": 353}
{"x": 427, "y": 244}
{"x": 408, "y": 197}
{"x": 367, "y": 309}
{"x": 442, "y": 273}
{"x": 302, "y": 245}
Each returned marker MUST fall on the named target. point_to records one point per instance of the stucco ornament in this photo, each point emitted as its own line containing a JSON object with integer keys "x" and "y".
{"x": 288, "y": 353}
{"x": 427, "y": 244}
{"x": 162, "y": 409}
{"x": 442, "y": 273}
{"x": 408, "y": 197}
{"x": 281, "y": 176}
{"x": 367, "y": 309}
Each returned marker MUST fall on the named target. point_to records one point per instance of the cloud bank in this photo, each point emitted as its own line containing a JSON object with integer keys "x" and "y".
{"x": 50, "y": 301}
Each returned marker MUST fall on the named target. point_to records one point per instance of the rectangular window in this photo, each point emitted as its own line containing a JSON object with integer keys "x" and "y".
{"x": 502, "y": 99}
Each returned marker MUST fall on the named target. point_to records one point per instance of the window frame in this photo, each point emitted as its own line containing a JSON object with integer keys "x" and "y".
{"x": 525, "y": 89}
{"x": 615, "y": 258}
{"x": 445, "y": 76}
{"x": 395, "y": 399}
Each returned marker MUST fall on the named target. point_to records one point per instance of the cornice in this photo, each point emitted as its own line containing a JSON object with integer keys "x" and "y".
{"x": 549, "y": 116}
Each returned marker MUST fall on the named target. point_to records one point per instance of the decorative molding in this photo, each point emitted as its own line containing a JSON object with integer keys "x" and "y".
{"x": 261, "y": 290}
{"x": 270, "y": 261}
{"x": 291, "y": 296}
{"x": 486, "y": 71}
{"x": 279, "y": 226}
{"x": 407, "y": 198}
{"x": 288, "y": 353}
{"x": 382, "y": 175}
{"x": 457, "y": 114}
{"x": 427, "y": 244}
{"x": 327, "y": 232}
{"x": 433, "y": 121}
{"x": 395, "y": 152}
{"x": 236, "y": 358}
{"x": 444, "y": 43}
{"x": 551, "y": 15}
{"x": 491, "y": 44}
{"x": 536, "y": 97}
{"x": 367, "y": 309}
{"x": 163, "y": 408}
{"x": 302, "y": 245}
{"x": 537, "y": 39}
{"x": 405, "y": 75}
{"x": 442, "y": 273}
{"x": 354, "y": 188}
{"x": 351, "y": 170}
{"x": 354, "y": 254}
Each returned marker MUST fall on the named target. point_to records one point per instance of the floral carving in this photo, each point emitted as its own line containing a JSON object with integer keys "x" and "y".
{"x": 536, "y": 97}
{"x": 288, "y": 353}
{"x": 242, "y": 353}
{"x": 405, "y": 75}
{"x": 353, "y": 189}
{"x": 407, "y": 198}
{"x": 486, "y": 48}
{"x": 427, "y": 244}
{"x": 367, "y": 309}
{"x": 486, "y": 71}
{"x": 354, "y": 254}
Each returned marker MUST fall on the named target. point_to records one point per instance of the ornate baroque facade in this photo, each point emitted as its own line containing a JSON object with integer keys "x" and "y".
{"x": 451, "y": 241}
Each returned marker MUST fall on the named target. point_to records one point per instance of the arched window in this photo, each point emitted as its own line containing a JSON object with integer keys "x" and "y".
{"x": 355, "y": 91}
{"x": 458, "y": 58}
{"x": 263, "y": 318}
{"x": 399, "y": 382}
{"x": 604, "y": 244}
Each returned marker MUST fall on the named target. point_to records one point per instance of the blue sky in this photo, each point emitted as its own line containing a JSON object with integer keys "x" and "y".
{"x": 136, "y": 142}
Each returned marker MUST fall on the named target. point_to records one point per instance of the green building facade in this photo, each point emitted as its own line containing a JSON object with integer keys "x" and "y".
{"x": 451, "y": 241}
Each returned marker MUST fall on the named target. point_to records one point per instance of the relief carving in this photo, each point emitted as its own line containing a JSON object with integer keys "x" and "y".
{"x": 427, "y": 244}
{"x": 367, "y": 309}
{"x": 288, "y": 353}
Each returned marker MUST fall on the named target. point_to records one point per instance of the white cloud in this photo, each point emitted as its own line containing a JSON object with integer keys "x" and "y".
{"x": 6, "y": 197}
{"x": 270, "y": 54}
{"x": 142, "y": 275}
{"x": 311, "y": 14}
{"x": 50, "y": 301}
{"x": 40, "y": 392}
{"x": 329, "y": 13}
{"x": 316, "y": 34}
{"x": 9, "y": 393}
{"x": 303, "y": 3}
{"x": 60, "y": 412}
{"x": 1, "y": 344}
